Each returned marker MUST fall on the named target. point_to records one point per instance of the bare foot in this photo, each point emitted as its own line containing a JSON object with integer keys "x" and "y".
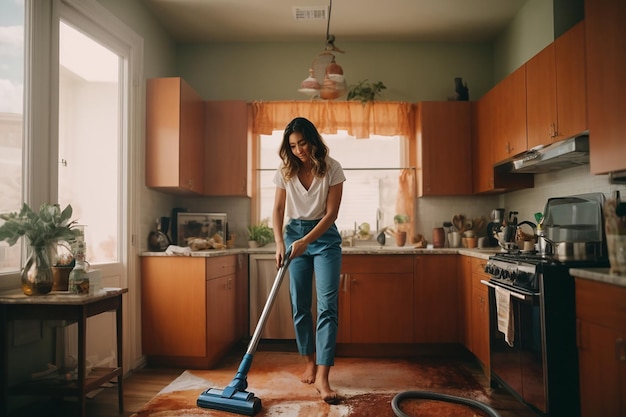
{"x": 308, "y": 376}
{"x": 323, "y": 386}
{"x": 327, "y": 394}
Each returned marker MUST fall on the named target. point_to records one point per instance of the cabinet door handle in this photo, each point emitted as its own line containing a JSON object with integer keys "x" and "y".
{"x": 620, "y": 350}
{"x": 345, "y": 278}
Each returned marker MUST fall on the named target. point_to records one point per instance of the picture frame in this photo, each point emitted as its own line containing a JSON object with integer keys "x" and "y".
{"x": 200, "y": 225}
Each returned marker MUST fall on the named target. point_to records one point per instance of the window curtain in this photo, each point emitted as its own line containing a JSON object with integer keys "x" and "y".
{"x": 359, "y": 120}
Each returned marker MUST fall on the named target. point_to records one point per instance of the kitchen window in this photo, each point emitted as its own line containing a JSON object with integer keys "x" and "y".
{"x": 70, "y": 144}
{"x": 372, "y": 167}
{"x": 12, "y": 29}
{"x": 369, "y": 140}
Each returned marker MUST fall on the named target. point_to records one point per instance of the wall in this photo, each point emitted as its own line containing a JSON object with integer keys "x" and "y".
{"x": 531, "y": 30}
{"x": 273, "y": 71}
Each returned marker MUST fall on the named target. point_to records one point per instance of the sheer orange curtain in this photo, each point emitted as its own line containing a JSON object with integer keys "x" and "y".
{"x": 405, "y": 201}
{"x": 360, "y": 120}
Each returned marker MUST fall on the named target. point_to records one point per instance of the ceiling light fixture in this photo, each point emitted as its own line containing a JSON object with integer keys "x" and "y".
{"x": 326, "y": 78}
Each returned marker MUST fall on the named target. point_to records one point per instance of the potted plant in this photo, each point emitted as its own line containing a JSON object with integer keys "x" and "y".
{"x": 260, "y": 234}
{"x": 43, "y": 229}
{"x": 365, "y": 91}
{"x": 402, "y": 222}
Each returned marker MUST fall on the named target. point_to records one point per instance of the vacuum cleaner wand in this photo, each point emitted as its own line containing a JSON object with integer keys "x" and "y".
{"x": 234, "y": 398}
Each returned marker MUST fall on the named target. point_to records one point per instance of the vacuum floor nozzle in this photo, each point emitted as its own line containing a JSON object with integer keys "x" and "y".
{"x": 241, "y": 402}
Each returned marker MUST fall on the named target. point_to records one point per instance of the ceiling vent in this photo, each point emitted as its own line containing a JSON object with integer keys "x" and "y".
{"x": 310, "y": 13}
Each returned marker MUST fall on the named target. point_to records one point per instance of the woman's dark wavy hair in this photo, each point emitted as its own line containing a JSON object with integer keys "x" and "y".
{"x": 319, "y": 150}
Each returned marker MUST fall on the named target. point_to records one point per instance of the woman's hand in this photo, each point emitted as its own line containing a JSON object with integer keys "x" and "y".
{"x": 298, "y": 248}
{"x": 280, "y": 255}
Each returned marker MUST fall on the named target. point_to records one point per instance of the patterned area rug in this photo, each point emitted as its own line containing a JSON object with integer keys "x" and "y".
{"x": 366, "y": 387}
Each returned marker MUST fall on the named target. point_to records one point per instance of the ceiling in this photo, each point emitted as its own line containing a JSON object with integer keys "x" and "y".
{"x": 350, "y": 20}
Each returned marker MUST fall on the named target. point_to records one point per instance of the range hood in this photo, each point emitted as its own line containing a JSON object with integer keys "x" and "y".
{"x": 564, "y": 154}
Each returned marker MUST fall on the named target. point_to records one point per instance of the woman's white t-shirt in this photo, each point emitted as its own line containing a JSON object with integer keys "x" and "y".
{"x": 309, "y": 204}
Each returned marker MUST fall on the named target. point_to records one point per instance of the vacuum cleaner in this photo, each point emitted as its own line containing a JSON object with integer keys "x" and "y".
{"x": 234, "y": 398}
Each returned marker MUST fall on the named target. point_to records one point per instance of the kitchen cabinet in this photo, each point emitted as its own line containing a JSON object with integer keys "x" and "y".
{"x": 465, "y": 300}
{"x": 601, "y": 340}
{"x": 174, "y": 137}
{"x": 189, "y": 309}
{"x": 482, "y": 141}
{"x": 279, "y": 324}
{"x": 605, "y": 35}
{"x": 479, "y": 332}
{"x": 444, "y": 148}
{"x": 509, "y": 116}
{"x": 376, "y": 299}
{"x": 436, "y": 299}
{"x": 487, "y": 178}
{"x": 555, "y": 90}
{"x": 226, "y": 145}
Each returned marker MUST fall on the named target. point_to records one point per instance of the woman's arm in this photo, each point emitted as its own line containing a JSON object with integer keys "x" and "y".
{"x": 333, "y": 201}
{"x": 278, "y": 217}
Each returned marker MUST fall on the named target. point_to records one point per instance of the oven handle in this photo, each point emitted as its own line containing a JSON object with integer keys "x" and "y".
{"x": 513, "y": 293}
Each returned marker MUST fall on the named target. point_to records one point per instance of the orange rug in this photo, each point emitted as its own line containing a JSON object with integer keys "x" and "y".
{"x": 366, "y": 387}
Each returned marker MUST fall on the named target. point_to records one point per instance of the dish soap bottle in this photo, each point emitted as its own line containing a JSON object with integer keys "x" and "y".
{"x": 79, "y": 279}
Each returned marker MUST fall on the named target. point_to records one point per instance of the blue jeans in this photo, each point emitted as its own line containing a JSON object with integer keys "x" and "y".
{"x": 322, "y": 257}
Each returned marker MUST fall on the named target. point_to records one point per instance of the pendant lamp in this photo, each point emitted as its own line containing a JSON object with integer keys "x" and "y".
{"x": 326, "y": 78}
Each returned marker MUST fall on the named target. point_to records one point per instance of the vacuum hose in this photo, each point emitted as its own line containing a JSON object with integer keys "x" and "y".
{"x": 426, "y": 395}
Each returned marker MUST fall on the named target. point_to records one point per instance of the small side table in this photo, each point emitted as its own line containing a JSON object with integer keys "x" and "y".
{"x": 73, "y": 309}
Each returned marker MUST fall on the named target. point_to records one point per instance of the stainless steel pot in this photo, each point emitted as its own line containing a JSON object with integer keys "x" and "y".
{"x": 569, "y": 251}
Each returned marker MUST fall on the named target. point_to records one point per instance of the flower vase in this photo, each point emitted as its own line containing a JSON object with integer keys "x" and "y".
{"x": 36, "y": 275}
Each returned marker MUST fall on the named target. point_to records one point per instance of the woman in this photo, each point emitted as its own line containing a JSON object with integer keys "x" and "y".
{"x": 309, "y": 185}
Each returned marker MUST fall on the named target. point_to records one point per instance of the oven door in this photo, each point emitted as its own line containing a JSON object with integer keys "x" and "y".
{"x": 519, "y": 367}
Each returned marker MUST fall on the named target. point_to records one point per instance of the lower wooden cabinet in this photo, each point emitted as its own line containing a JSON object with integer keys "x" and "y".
{"x": 376, "y": 299}
{"x": 475, "y": 304}
{"x": 465, "y": 300}
{"x": 189, "y": 309}
{"x": 436, "y": 299}
{"x": 601, "y": 339}
{"x": 480, "y": 325}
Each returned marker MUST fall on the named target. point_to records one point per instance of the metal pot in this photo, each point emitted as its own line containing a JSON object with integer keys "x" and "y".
{"x": 569, "y": 251}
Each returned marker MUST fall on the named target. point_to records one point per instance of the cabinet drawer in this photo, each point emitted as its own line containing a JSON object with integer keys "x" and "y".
{"x": 376, "y": 264}
{"x": 601, "y": 303}
{"x": 478, "y": 271}
{"x": 220, "y": 266}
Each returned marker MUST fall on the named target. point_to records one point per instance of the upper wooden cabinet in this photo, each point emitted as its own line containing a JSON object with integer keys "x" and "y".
{"x": 226, "y": 149}
{"x": 509, "y": 116}
{"x": 606, "y": 84}
{"x": 555, "y": 90}
{"x": 444, "y": 148}
{"x": 483, "y": 137}
{"x": 486, "y": 132}
{"x": 174, "y": 136}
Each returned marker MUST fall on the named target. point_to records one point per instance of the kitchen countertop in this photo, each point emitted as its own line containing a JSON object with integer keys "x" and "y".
{"x": 600, "y": 275}
{"x": 354, "y": 250}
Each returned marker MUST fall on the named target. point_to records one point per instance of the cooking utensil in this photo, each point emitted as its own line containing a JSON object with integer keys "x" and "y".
{"x": 459, "y": 222}
{"x": 620, "y": 208}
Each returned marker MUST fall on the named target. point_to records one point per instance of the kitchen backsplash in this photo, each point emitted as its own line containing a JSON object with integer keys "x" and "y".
{"x": 433, "y": 211}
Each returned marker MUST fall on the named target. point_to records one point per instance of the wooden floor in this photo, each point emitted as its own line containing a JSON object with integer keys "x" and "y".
{"x": 142, "y": 384}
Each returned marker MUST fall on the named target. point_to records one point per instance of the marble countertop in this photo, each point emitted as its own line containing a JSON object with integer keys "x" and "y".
{"x": 354, "y": 250}
{"x": 600, "y": 275}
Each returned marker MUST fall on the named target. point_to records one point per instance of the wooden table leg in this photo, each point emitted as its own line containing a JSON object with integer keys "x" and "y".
{"x": 120, "y": 377}
{"x": 4, "y": 361}
{"x": 82, "y": 349}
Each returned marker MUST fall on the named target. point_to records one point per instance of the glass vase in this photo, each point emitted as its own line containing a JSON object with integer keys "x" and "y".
{"x": 36, "y": 275}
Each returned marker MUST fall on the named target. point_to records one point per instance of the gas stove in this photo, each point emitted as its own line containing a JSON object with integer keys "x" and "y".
{"x": 511, "y": 270}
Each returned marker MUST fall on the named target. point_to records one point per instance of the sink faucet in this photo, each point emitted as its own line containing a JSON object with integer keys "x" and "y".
{"x": 379, "y": 218}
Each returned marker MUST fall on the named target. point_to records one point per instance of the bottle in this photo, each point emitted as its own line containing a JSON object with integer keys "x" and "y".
{"x": 79, "y": 279}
